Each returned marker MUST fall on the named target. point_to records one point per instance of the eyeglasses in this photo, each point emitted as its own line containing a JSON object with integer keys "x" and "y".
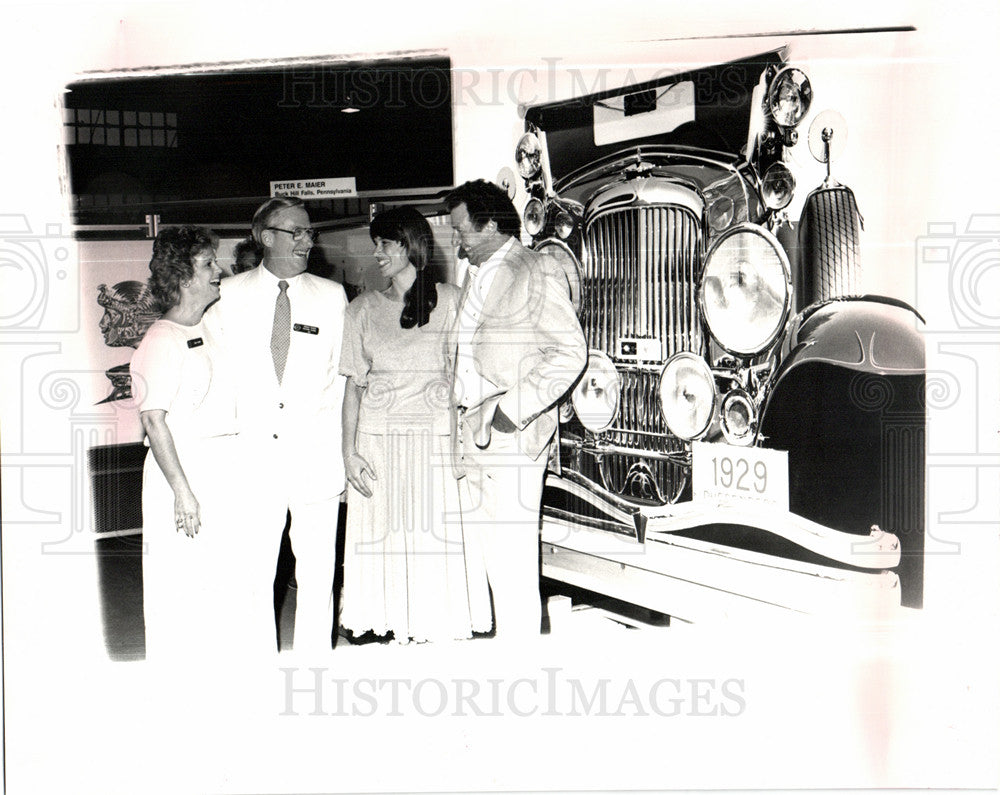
{"x": 298, "y": 233}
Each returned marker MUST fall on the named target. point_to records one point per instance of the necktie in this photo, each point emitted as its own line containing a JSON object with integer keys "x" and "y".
{"x": 470, "y": 277}
{"x": 281, "y": 330}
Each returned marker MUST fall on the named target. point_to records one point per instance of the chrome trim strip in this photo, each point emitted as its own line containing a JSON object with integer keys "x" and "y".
{"x": 579, "y": 486}
{"x": 678, "y": 457}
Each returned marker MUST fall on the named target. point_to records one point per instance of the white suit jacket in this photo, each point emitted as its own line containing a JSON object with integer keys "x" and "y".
{"x": 529, "y": 346}
{"x": 294, "y": 426}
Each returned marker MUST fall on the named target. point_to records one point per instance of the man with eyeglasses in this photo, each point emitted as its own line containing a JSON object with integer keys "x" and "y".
{"x": 281, "y": 328}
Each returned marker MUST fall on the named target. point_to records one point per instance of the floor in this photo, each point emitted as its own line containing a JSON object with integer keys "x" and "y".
{"x": 120, "y": 583}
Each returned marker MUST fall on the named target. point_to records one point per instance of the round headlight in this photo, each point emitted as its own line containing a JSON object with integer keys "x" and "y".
{"x": 778, "y": 186}
{"x": 570, "y": 265}
{"x": 745, "y": 290}
{"x": 595, "y": 397}
{"x": 528, "y": 155}
{"x": 789, "y": 97}
{"x": 534, "y": 217}
{"x": 739, "y": 418}
{"x": 687, "y": 395}
{"x": 564, "y": 224}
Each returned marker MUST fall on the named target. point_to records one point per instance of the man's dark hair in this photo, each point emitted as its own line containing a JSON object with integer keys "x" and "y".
{"x": 486, "y": 201}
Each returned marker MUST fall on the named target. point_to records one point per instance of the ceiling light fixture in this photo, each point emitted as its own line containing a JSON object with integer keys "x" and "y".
{"x": 350, "y": 105}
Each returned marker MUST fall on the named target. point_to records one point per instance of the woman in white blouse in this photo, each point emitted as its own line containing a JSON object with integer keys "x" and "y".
{"x": 193, "y": 593}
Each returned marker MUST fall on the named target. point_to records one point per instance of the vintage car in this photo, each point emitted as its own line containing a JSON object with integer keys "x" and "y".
{"x": 748, "y": 436}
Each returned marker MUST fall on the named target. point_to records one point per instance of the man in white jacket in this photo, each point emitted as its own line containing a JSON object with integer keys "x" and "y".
{"x": 518, "y": 350}
{"x": 281, "y": 329}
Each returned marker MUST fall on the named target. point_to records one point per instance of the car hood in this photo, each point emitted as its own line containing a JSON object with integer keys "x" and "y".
{"x": 708, "y": 109}
{"x": 705, "y": 174}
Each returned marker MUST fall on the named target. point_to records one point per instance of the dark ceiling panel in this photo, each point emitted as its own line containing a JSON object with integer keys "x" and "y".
{"x": 140, "y": 144}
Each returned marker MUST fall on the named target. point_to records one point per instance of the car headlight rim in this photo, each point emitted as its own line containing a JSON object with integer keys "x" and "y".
{"x": 686, "y": 428}
{"x": 728, "y": 341}
{"x": 597, "y": 394}
{"x": 574, "y": 269}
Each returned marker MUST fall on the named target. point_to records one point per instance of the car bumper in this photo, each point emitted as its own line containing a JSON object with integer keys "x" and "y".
{"x": 651, "y": 556}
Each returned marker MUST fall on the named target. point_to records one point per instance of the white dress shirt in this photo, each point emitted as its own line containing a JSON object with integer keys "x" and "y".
{"x": 470, "y": 388}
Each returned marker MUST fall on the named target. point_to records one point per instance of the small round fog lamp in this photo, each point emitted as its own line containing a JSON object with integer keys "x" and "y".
{"x": 778, "y": 186}
{"x": 564, "y": 224}
{"x": 534, "y": 217}
{"x": 738, "y": 418}
{"x": 720, "y": 213}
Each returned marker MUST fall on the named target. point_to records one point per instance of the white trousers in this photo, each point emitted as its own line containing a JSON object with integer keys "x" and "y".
{"x": 501, "y": 496}
{"x": 313, "y": 534}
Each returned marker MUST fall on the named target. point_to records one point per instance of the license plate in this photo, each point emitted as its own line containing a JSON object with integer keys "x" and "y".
{"x": 740, "y": 475}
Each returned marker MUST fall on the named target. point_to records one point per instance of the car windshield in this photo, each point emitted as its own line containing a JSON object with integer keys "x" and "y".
{"x": 707, "y": 108}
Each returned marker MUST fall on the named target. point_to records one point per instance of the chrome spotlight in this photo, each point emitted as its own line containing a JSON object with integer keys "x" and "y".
{"x": 528, "y": 155}
{"x": 789, "y": 97}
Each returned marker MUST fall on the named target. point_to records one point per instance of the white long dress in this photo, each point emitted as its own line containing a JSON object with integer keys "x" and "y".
{"x": 405, "y": 563}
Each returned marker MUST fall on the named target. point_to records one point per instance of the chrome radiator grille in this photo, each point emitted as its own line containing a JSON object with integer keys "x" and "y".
{"x": 642, "y": 266}
{"x": 641, "y": 279}
{"x": 640, "y": 426}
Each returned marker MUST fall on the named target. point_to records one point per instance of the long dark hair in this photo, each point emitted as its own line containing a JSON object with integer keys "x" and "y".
{"x": 410, "y": 229}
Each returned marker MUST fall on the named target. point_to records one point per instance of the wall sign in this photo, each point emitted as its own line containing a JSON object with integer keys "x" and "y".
{"x": 329, "y": 188}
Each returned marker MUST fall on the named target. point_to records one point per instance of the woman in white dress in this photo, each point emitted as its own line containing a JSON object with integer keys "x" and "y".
{"x": 405, "y": 565}
{"x": 193, "y": 594}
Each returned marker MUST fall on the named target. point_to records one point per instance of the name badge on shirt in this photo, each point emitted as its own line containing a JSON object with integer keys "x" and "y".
{"x": 305, "y": 329}
{"x": 197, "y": 342}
